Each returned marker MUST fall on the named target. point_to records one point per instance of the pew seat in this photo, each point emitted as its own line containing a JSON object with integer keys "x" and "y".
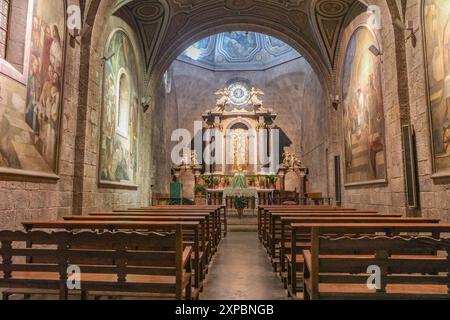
{"x": 393, "y": 291}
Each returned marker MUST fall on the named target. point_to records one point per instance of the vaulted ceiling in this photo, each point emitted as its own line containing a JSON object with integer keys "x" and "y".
{"x": 167, "y": 27}
{"x": 238, "y": 51}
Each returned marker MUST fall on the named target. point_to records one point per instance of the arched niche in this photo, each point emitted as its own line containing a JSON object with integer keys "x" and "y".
{"x": 240, "y": 136}
{"x": 120, "y": 113}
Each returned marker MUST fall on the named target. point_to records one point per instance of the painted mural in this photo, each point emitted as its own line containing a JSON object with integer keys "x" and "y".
{"x": 119, "y": 140}
{"x": 364, "y": 126}
{"x": 239, "y": 44}
{"x": 30, "y": 117}
{"x": 239, "y": 49}
{"x": 437, "y": 35}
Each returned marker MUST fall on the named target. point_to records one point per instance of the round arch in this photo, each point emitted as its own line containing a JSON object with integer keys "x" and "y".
{"x": 185, "y": 41}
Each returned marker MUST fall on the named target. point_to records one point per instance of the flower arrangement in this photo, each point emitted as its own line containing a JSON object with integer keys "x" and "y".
{"x": 262, "y": 183}
{"x": 273, "y": 179}
{"x": 200, "y": 189}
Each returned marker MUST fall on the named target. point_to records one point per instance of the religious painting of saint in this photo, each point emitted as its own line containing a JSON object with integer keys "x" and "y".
{"x": 120, "y": 114}
{"x": 436, "y": 21}
{"x": 30, "y": 116}
{"x": 364, "y": 127}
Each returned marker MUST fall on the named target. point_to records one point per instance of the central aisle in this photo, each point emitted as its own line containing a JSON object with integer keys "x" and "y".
{"x": 242, "y": 271}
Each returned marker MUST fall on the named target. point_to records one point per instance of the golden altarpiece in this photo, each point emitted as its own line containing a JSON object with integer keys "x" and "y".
{"x": 248, "y": 144}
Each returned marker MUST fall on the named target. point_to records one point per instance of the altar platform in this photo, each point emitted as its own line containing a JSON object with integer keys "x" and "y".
{"x": 255, "y": 197}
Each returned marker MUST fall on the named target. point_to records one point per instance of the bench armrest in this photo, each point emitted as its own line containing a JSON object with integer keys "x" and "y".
{"x": 187, "y": 256}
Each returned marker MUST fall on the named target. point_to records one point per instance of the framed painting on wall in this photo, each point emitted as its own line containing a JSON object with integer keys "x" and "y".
{"x": 120, "y": 115}
{"x": 364, "y": 126}
{"x": 436, "y": 30}
{"x": 30, "y": 116}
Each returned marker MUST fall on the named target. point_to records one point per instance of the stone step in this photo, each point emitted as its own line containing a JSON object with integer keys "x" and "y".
{"x": 242, "y": 220}
{"x": 242, "y": 228}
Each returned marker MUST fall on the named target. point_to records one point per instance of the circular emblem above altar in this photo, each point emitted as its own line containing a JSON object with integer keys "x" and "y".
{"x": 239, "y": 93}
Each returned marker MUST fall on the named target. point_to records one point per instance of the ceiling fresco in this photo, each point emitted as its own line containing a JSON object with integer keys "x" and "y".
{"x": 239, "y": 50}
{"x": 167, "y": 27}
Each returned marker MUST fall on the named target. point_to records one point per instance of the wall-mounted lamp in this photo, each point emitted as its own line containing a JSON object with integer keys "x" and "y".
{"x": 76, "y": 34}
{"x": 335, "y": 101}
{"x": 108, "y": 56}
{"x": 412, "y": 35}
{"x": 408, "y": 27}
{"x": 146, "y": 104}
{"x": 375, "y": 51}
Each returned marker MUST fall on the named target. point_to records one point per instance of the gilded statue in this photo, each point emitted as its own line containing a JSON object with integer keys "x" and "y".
{"x": 291, "y": 160}
{"x": 224, "y": 99}
{"x": 254, "y": 98}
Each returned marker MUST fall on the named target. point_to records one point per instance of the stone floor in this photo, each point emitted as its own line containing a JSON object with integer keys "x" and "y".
{"x": 242, "y": 271}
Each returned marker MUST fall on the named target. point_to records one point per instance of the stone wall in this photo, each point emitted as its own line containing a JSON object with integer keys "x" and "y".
{"x": 92, "y": 197}
{"x": 165, "y": 121}
{"x": 401, "y": 107}
{"x": 389, "y": 197}
{"x": 434, "y": 192}
{"x": 25, "y": 198}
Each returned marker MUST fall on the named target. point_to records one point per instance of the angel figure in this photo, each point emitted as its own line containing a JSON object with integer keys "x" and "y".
{"x": 254, "y": 99}
{"x": 224, "y": 100}
{"x": 287, "y": 159}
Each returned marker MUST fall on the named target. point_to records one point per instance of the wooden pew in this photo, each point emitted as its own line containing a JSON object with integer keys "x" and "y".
{"x": 221, "y": 208}
{"x": 210, "y": 220}
{"x": 303, "y": 241}
{"x": 267, "y": 213}
{"x": 338, "y": 268}
{"x": 263, "y": 208}
{"x": 215, "y": 211}
{"x": 274, "y": 227}
{"x": 121, "y": 264}
{"x": 151, "y": 226}
{"x": 205, "y": 247}
{"x": 354, "y": 229}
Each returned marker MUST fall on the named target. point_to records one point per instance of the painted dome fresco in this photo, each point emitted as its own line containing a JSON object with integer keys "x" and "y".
{"x": 240, "y": 50}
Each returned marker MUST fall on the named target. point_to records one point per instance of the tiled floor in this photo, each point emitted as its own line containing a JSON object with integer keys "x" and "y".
{"x": 242, "y": 271}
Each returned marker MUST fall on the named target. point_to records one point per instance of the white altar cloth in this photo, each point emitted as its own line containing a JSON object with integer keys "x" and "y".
{"x": 248, "y": 193}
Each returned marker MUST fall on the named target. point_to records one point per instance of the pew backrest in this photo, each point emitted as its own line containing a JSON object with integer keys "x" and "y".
{"x": 405, "y": 261}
